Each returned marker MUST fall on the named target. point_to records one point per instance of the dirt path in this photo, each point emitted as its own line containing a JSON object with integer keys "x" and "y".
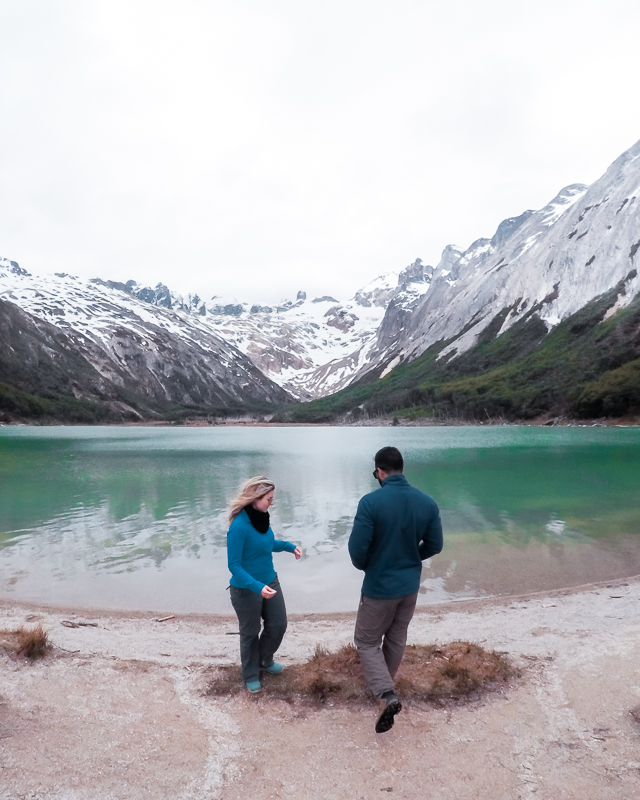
{"x": 125, "y": 716}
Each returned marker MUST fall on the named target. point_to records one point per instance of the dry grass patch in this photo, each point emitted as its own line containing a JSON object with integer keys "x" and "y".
{"x": 454, "y": 673}
{"x": 31, "y": 643}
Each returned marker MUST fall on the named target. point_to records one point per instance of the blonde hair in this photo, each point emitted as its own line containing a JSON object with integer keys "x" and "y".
{"x": 249, "y": 492}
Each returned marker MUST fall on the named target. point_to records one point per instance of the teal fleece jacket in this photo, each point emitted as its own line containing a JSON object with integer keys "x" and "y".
{"x": 395, "y": 529}
{"x": 249, "y": 554}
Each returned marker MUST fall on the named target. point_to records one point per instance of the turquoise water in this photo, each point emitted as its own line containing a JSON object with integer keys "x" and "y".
{"x": 135, "y": 517}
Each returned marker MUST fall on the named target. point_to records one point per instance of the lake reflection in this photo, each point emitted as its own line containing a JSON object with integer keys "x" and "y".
{"x": 136, "y": 517}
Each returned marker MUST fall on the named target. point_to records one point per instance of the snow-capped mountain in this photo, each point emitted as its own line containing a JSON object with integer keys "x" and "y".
{"x": 314, "y": 347}
{"x": 310, "y": 347}
{"x": 550, "y": 262}
{"x": 153, "y": 352}
{"x": 547, "y": 263}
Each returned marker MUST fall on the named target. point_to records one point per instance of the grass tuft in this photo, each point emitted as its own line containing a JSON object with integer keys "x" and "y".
{"x": 32, "y": 643}
{"x": 450, "y": 674}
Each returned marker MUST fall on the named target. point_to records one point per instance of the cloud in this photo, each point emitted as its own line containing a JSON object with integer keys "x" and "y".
{"x": 253, "y": 149}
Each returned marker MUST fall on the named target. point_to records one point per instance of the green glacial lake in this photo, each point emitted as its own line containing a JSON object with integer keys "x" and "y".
{"x": 134, "y": 518}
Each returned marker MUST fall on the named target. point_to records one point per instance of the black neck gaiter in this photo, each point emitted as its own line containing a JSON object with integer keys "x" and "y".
{"x": 259, "y": 519}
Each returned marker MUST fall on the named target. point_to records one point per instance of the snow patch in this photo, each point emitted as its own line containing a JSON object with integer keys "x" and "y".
{"x": 552, "y": 212}
{"x": 551, "y": 321}
{"x": 393, "y": 363}
{"x": 528, "y": 244}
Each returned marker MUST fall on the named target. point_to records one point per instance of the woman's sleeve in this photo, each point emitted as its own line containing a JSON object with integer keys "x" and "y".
{"x": 279, "y": 546}
{"x": 235, "y": 544}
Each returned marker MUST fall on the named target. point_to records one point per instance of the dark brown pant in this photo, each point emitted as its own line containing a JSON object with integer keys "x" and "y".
{"x": 380, "y": 638}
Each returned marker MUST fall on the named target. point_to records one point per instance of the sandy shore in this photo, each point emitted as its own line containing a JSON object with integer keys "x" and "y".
{"x": 117, "y": 711}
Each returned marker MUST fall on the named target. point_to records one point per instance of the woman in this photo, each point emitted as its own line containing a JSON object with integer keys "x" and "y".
{"x": 255, "y": 590}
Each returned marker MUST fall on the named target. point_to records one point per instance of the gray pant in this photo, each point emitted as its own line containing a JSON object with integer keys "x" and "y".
{"x": 257, "y": 649}
{"x": 380, "y": 638}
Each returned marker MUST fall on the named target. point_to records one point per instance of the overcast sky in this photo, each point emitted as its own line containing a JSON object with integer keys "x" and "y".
{"x": 252, "y": 148}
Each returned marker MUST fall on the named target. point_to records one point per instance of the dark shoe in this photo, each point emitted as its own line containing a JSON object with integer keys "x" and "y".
{"x": 389, "y": 707}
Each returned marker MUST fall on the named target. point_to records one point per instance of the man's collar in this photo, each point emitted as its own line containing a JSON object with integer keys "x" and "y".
{"x": 396, "y": 478}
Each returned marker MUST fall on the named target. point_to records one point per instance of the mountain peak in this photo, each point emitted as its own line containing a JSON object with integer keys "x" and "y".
{"x": 508, "y": 227}
{"x": 13, "y": 266}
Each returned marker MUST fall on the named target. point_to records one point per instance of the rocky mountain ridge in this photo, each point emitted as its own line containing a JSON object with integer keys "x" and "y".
{"x": 151, "y": 355}
{"x": 541, "y": 267}
{"x": 310, "y": 347}
{"x": 316, "y": 347}
{"x": 543, "y": 318}
{"x": 550, "y": 263}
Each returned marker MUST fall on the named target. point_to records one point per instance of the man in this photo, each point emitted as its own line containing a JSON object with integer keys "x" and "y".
{"x": 395, "y": 529}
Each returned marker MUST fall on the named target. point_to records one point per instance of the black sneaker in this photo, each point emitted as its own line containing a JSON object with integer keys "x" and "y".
{"x": 389, "y": 707}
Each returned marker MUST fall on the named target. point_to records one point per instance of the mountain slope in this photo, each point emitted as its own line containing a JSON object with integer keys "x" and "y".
{"x": 41, "y": 374}
{"x": 527, "y": 302}
{"x": 542, "y": 318}
{"x": 310, "y": 347}
{"x": 557, "y": 259}
{"x": 587, "y": 366}
{"x": 156, "y": 357}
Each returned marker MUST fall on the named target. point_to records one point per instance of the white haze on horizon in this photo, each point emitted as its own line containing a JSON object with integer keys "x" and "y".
{"x": 250, "y": 149}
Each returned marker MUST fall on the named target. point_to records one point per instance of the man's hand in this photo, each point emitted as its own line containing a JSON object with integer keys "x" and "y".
{"x": 297, "y": 553}
{"x": 267, "y": 592}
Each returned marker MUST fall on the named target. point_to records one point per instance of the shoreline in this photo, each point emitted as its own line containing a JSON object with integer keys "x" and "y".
{"x": 380, "y": 422}
{"x": 131, "y": 691}
{"x": 464, "y": 604}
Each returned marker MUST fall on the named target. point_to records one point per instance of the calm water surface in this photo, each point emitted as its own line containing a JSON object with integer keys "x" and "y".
{"x": 135, "y": 517}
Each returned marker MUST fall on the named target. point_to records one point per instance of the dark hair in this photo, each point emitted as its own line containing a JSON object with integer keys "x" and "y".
{"x": 389, "y": 459}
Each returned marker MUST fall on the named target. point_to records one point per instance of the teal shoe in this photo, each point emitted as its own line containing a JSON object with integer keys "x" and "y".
{"x": 253, "y": 686}
{"x": 274, "y": 669}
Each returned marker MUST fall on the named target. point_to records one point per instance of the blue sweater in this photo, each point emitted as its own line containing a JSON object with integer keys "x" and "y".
{"x": 395, "y": 529}
{"x": 249, "y": 554}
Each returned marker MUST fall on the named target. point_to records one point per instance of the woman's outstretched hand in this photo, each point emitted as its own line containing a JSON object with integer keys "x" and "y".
{"x": 267, "y": 592}
{"x": 298, "y": 552}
